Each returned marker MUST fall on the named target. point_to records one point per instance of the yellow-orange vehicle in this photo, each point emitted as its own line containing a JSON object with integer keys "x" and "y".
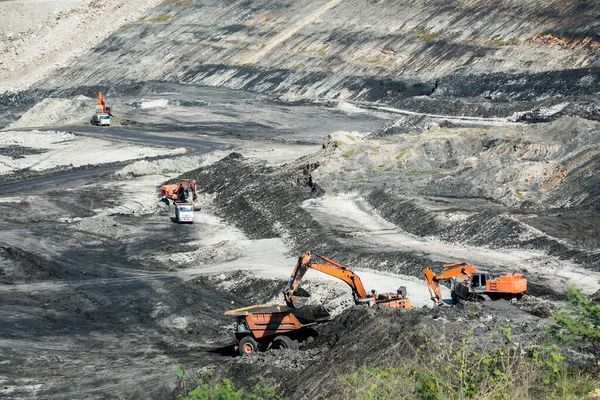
{"x": 265, "y": 327}
{"x": 183, "y": 192}
{"x": 101, "y": 106}
{"x": 468, "y": 283}
{"x": 103, "y": 112}
{"x": 294, "y": 300}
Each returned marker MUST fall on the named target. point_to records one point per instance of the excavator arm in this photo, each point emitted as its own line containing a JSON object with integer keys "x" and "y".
{"x": 449, "y": 271}
{"x": 101, "y": 102}
{"x": 332, "y": 268}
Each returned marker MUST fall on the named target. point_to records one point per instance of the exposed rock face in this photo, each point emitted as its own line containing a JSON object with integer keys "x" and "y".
{"x": 357, "y": 49}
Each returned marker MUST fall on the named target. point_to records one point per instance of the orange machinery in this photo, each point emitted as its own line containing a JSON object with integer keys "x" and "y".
{"x": 101, "y": 106}
{"x": 293, "y": 300}
{"x": 182, "y": 192}
{"x": 264, "y": 327}
{"x": 468, "y": 283}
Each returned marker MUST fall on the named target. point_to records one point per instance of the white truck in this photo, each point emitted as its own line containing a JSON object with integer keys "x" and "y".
{"x": 184, "y": 212}
{"x": 101, "y": 119}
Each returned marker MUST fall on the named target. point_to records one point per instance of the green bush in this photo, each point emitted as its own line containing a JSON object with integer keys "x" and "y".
{"x": 226, "y": 390}
{"x": 349, "y": 153}
{"x": 580, "y": 319}
{"x": 447, "y": 371}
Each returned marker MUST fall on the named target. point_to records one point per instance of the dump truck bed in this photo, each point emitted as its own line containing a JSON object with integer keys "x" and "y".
{"x": 305, "y": 315}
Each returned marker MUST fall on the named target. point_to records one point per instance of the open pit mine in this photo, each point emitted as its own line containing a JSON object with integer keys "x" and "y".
{"x": 341, "y": 199}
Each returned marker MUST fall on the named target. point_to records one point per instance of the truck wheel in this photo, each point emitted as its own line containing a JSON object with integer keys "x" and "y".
{"x": 284, "y": 342}
{"x": 248, "y": 345}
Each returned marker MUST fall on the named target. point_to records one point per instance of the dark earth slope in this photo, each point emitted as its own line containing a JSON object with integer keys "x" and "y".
{"x": 414, "y": 55}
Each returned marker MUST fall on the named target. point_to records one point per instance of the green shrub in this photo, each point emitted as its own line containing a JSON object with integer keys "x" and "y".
{"x": 182, "y": 374}
{"x": 580, "y": 319}
{"x": 226, "y": 390}
{"x": 425, "y": 34}
{"x": 461, "y": 371}
{"x": 349, "y": 153}
{"x": 156, "y": 20}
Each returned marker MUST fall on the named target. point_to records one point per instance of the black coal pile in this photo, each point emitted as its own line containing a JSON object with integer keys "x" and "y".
{"x": 266, "y": 202}
{"x": 15, "y": 152}
{"x": 380, "y": 338}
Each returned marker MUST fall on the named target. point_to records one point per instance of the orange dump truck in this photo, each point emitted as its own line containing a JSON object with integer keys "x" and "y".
{"x": 264, "y": 327}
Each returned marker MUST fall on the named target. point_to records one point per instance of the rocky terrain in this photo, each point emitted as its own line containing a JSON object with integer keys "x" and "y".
{"x": 388, "y": 136}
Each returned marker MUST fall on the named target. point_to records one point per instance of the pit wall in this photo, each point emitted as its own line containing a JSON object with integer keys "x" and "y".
{"x": 355, "y": 49}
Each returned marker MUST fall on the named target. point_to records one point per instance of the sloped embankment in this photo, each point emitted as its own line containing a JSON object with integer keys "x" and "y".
{"x": 383, "y": 338}
{"x": 533, "y": 187}
{"x": 432, "y": 56}
{"x": 266, "y": 202}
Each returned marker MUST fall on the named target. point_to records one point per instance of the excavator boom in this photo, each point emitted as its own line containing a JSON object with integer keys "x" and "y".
{"x": 334, "y": 269}
{"x": 101, "y": 102}
{"x": 295, "y": 299}
{"x": 449, "y": 271}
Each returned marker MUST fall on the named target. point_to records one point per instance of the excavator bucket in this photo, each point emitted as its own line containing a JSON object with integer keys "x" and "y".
{"x": 298, "y": 299}
{"x": 311, "y": 314}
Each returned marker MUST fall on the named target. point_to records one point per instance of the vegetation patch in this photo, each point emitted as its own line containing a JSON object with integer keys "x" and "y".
{"x": 401, "y": 154}
{"x": 323, "y": 50}
{"x": 425, "y": 34}
{"x": 349, "y": 153}
{"x": 426, "y": 172}
{"x": 379, "y": 61}
{"x": 178, "y": 3}
{"x": 503, "y": 371}
{"x": 157, "y": 20}
{"x": 225, "y": 390}
{"x": 521, "y": 193}
{"x": 580, "y": 320}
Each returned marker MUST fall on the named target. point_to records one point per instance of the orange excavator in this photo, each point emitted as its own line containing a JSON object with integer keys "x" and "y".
{"x": 295, "y": 298}
{"x": 101, "y": 107}
{"x": 264, "y": 327}
{"x": 468, "y": 283}
{"x": 103, "y": 112}
{"x": 182, "y": 192}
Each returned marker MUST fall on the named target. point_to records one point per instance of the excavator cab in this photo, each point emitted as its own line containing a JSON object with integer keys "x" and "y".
{"x": 479, "y": 279}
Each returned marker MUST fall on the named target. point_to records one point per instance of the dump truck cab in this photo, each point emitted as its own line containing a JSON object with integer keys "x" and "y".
{"x": 184, "y": 212}
{"x": 101, "y": 119}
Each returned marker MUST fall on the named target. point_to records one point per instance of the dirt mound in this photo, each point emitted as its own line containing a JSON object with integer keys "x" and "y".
{"x": 406, "y": 124}
{"x": 57, "y": 111}
{"x": 536, "y": 306}
{"x": 266, "y": 202}
{"x": 379, "y": 338}
{"x": 15, "y": 152}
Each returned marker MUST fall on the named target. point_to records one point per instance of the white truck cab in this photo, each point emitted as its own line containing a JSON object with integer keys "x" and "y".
{"x": 184, "y": 212}
{"x": 101, "y": 119}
